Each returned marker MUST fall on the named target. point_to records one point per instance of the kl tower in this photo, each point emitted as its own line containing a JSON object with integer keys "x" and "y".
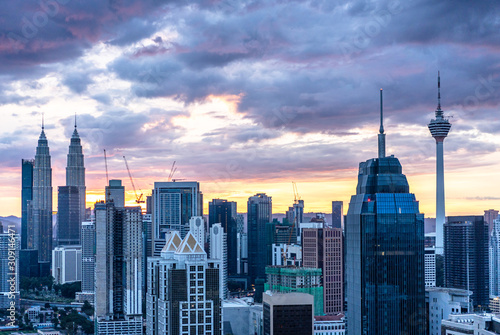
{"x": 439, "y": 128}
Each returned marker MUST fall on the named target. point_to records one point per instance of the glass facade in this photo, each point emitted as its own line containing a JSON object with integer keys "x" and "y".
{"x": 259, "y": 215}
{"x": 384, "y": 253}
{"x": 26, "y": 195}
{"x": 68, "y": 216}
{"x": 224, "y": 212}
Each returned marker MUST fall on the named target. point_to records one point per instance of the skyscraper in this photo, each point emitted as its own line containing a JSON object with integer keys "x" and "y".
{"x": 75, "y": 172}
{"x": 466, "y": 261}
{"x": 338, "y": 214}
{"x": 26, "y": 198}
{"x": 218, "y": 255}
{"x": 384, "y": 244}
{"x": 439, "y": 128}
{"x": 41, "y": 237}
{"x": 118, "y": 269}
{"x": 174, "y": 203}
{"x": 68, "y": 215}
{"x": 9, "y": 283}
{"x": 224, "y": 212}
{"x": 88, "y": 262}
{"x": 183, "y": 290}
{"x": 115, "y": 192}
{"x": 323, "y": 249}
{"x": 259, "y": 214}
{"x": 494, "y": 253}
{"x": 288, "y": 313}
{"x": 490, "y": 216}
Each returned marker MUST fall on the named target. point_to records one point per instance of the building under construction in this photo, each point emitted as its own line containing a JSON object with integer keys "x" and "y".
{"x": 285, "y": 279}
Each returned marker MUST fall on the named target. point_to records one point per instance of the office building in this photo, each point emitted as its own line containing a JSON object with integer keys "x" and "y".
{"x": 88, "y": 262}
{"x": 384, "y": 243}
{"x": 298, "y": 212}
{"x": 288, "y": 313}
{"x": 115, "y": 192}
{"x": 259, "y": 214}
{"x": 75, "y": 173}
{"x": 218, "y": 255}
{"x": 490, "y": 216}
{"x": 439, "y": 128}
{"x": 241, "y": 316}
{"x": 430, "y": 267}
{"x": 242, "y": 246}
{"x": 286, "y": 279}
{"x": 183, "y": 290}
{"x": 67, "y": 264}
{"x": 118, "y": 269}
{"x": 68, "y": 216}
{"x": 323, "y": 248}
{"x": 9, "y": 280}
{"x": 224, "y": 212}
{"x": 338, "y": 214}
{"x": 462, "y": 324}
{"x": 174, "y": 203}
{"x": 40, "y": 238}
{"x": 466, "y": 261}
{"x": 329, "y": 324}
{"x": 29, "y": 259}
{"x": 442, "y": 302}
{"x": 26, "y": 199}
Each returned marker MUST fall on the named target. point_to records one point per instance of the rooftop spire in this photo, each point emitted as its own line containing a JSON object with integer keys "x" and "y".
{"x": 439, "y": 92}
{"x": 381, "y": 135}
{"x": 43, "y": 121}
{"x": 75, "y": 120}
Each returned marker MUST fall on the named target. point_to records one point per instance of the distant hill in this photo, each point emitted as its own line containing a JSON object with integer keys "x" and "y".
{"x": 11, "y": 220}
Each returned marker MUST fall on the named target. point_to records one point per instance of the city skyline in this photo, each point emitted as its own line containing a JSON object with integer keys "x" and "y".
{"x": 251, "y": 111}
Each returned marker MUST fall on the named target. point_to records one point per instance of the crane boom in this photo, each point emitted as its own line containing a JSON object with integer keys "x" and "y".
{"x": 138, "y": 199}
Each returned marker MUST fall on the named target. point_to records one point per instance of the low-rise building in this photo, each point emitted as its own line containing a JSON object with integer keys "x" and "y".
{"x": 242, "y": 317}
{"x": 442, "y": 302}
{"x": 476, "y": 324}
{"x": 289, "y": 313}
{"x": 67, "y": 264}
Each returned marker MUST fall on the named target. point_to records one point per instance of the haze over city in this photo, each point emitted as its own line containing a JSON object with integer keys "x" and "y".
{"x": 248, "y": 96}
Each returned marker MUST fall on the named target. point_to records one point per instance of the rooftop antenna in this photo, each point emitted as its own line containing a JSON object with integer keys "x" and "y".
{"x": 439, "y": 112}
{"x": 75, "y": 120}
{"x": 381, "y": 135}
{"x": 43, "y": 120}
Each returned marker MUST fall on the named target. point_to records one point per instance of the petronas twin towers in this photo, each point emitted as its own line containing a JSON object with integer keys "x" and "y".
{"x": 71, "y": 204}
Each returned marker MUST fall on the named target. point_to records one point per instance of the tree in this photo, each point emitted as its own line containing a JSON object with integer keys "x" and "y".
{"x": 47, "y": 305}
{"x": 87, "y": 308}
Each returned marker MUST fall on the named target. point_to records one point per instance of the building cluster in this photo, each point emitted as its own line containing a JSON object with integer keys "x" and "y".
{"x": 167, "y": 269}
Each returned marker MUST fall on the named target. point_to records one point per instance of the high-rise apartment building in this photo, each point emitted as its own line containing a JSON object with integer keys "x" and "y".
{"x": 174, "y": 203}
{"x": 494, "y": 260}
{"x": 26, "y": 200}
{"x": 466, "y": 261}
{"x": 224, "y": 212}
{"x": 9, "y": 273}
{"x": 384, "y": 261}
{"x": 75, "y": 173}
{"x": 259, "y": 214}
{"x": 288, "y": 313}
{"x": 218, "y": 255}
{"x": 183, "y": 290}
{"x": 88, "y": 262}
{"x": 68, "y": 215}
{"x": 338, "y": 214}
{"x": 323, "y": 248}
{"x": 40, "y": 238}
{"x": 439, "y": 128}
{"x": 118, "y": 269}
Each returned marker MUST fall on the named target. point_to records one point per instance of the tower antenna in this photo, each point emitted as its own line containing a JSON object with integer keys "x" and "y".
{"x": 381, "y": 135}
{"x": 439, "y": 92}
{"x": 43, "y": 120}
{"x": 75, "y": 119}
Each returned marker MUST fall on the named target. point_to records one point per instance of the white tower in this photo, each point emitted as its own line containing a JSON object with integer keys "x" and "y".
{"x": 439, "y": 128}
{"x": 197, "y": 228}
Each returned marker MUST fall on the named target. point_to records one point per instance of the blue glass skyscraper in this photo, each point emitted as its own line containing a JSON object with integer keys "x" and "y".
{"x": 384, "y": 251}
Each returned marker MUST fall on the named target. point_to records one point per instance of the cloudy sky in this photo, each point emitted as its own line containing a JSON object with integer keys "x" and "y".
{"x": 248, "y": 96}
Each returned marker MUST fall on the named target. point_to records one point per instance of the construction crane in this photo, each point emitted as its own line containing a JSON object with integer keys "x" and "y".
{"x": 138, "y": 199}
{"x": 296, "y": 198}
{"x": 172, "y": 171}
{"x": 107, "y": 176}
